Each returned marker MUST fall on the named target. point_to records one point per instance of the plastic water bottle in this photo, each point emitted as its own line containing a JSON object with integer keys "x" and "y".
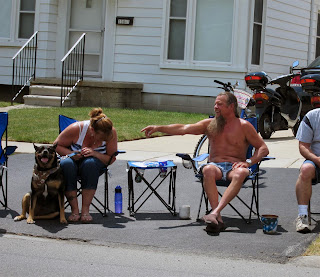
{"x": 118, "y": 200}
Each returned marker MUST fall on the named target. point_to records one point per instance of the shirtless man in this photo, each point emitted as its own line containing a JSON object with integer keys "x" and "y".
{"x": 229, "y": 138}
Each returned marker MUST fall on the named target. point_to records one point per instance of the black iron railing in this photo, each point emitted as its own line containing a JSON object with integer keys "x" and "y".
{"x": 72, "y": 68}
{"x": 24, "y": 66}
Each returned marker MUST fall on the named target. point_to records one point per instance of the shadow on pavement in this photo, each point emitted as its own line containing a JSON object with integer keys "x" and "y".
{"x": 154, "y": 226}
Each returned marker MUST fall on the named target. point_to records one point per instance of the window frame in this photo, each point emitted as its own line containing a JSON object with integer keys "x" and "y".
{"x": 317, "y": 37}
{"x": 13, "y": 40}
{"x": 256, "y": 23}
{"x": 189, "y": 62}
{"x": 251, "y": 66}
{"x": 19, "y": 12}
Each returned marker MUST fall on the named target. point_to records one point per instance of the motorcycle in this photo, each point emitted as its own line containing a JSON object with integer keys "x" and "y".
{"x": 310, "y": 82}
{"x": 278, "y": 109}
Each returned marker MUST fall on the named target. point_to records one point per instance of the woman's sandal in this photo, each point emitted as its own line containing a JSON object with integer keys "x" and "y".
{"x": 86, "y": 218}
{"x": 73, "y": 218}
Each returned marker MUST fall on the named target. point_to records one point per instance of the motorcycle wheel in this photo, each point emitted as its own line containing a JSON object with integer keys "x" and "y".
{"x": 265, "y": 126}
{"x": 296, "y": 127}
{"x": 202, "y": 147}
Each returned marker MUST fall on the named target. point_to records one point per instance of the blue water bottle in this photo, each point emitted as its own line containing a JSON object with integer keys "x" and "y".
{"x": 118, "y": 200}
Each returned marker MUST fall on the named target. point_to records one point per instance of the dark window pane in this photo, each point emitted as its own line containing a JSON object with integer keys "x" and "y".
{"x": 26, "y": 25}
{"x": 318, "y": 26}
{"x": 178, "y": 8}
{"x": 258, "y": 11}
{"x": 176, "y": 39}
{"x": 27, "y": 5}
{"x": 256, "y": 44}
{"x": 318, "y": 47}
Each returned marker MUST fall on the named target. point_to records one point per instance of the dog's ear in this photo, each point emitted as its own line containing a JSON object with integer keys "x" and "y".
{"x": 55, "y": 145}
{"x": 35, "y": 147}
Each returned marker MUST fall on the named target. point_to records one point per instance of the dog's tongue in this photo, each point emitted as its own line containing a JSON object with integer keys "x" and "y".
{"x": 44, "y": 160}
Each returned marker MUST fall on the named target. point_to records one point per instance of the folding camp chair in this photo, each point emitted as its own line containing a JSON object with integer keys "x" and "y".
{"x": 310, "y": 213}
{"x": 253, "y": 177}
{"x": 64, "y": 122}
{"x": 4, "y": 153}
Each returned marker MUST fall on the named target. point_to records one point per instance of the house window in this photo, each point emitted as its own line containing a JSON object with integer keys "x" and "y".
{"x": 200, "y": 31}
{"x": 17, "y": 19}
{"x": 5, "y": 18}
{"x": 213, "y": 30}
{"x": 257, "y": 31}
{"x": 26, "y": 18}
{"x": 177, "y": 29}
{"x": 318, "y": 38}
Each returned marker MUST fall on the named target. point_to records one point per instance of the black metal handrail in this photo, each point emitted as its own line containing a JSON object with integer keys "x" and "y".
{"x": 24, "y": 66}
{"x": 72, "y": 68}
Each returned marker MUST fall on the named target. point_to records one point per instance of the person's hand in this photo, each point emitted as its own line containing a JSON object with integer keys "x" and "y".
{"x": 149, "y": 130}
{"x": 87, "y": 152}
{"x": 240, "y": 164}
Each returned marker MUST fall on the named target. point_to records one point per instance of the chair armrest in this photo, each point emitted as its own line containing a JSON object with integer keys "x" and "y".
{"x": 119, "y": 152}
{"x": 9, "y": 150}
{"x": 184, "y": 156}
{"x": 201, "y": 158}
{"x": 114, "y": 155}
{"x": 267, "y": 158}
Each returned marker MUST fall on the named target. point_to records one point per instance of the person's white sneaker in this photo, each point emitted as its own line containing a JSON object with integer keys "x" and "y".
{"x": 302, "y": 225}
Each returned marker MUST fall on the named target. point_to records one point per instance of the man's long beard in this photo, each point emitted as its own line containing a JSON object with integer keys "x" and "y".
{"x": 216, "y": 125}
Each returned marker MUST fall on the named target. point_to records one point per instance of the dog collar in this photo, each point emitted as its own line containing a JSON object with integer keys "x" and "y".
{"x": 40, "y": 176}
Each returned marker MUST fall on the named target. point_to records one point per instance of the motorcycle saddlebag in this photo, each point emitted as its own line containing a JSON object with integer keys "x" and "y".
{"x": 256, "y": 80}
{"x": 311, "y": 83}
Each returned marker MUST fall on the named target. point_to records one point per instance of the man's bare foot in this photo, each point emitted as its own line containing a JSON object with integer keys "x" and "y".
{"x": 210, "y": 218}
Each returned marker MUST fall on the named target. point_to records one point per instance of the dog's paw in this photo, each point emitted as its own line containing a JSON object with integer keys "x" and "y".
{"x": 30, "y": 221}
{"x": 63, "y": 221}
{"x": 19, "y": 218}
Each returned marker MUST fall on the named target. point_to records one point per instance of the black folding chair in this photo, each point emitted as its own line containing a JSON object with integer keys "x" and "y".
{"x": 310, "y": 213}
{"x": 101, "y": 206}
{"x": 253, "y": 178}
{"x": 4, "y": 153}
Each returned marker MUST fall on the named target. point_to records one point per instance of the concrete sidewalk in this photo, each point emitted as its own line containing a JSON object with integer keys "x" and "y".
{"x": 282, "y": 145}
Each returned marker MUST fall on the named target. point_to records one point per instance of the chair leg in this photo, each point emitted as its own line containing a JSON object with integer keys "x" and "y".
{"x": 201, "y": 198}
{"x": 309, "y": 212}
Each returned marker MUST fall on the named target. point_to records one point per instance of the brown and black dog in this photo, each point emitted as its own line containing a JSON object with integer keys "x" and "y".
{"x": 46, "y": 199}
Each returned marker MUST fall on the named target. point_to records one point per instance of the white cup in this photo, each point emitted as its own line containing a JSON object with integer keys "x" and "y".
{"x": 184, "y": 212}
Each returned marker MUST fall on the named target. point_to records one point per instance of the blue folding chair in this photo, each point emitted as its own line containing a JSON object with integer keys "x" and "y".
{"x": 253, "y": 177}
{"x": 4, "y": 153}
{"x": 64, "y": 122}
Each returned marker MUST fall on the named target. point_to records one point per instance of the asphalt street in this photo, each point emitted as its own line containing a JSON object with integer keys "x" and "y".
{"x": 155, "y": 227}
{"x": 154, "y": 242}
{"x": 29, "y": 256}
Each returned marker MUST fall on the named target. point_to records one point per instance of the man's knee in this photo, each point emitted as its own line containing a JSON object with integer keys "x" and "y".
{"x": 307, "y": 172}
{"x": 240, "y": 174}
{"x": 211, "y": 171}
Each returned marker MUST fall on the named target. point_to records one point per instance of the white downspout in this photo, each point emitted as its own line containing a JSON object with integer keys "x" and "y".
{"x": 311, "y": 37}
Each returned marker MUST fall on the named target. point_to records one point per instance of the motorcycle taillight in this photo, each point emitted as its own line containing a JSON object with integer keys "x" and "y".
{"x": 315, "y": 101}
{"x": 296, "y": 81}
{"x": 260, "y": 96}
{"x": 308, "y": 81}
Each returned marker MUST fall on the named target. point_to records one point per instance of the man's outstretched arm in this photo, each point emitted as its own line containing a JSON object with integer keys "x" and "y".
{"x": 178, "y": 129}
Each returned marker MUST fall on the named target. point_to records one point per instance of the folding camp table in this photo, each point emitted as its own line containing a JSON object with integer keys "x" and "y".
{"x": 162, "y": 172}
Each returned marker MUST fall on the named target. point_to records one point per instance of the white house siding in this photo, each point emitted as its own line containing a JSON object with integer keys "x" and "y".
{"x": 47, "y": 37}
{"x": 45, "y": 23}
{"x": 286, "y": 35}
{"x": 138, "y": 58}
{"x": 6, "y": 54}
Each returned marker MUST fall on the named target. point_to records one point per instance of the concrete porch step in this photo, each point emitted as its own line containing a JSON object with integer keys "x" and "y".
{"x": 45, "y": 90}
{"x": 45, "y": 100}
